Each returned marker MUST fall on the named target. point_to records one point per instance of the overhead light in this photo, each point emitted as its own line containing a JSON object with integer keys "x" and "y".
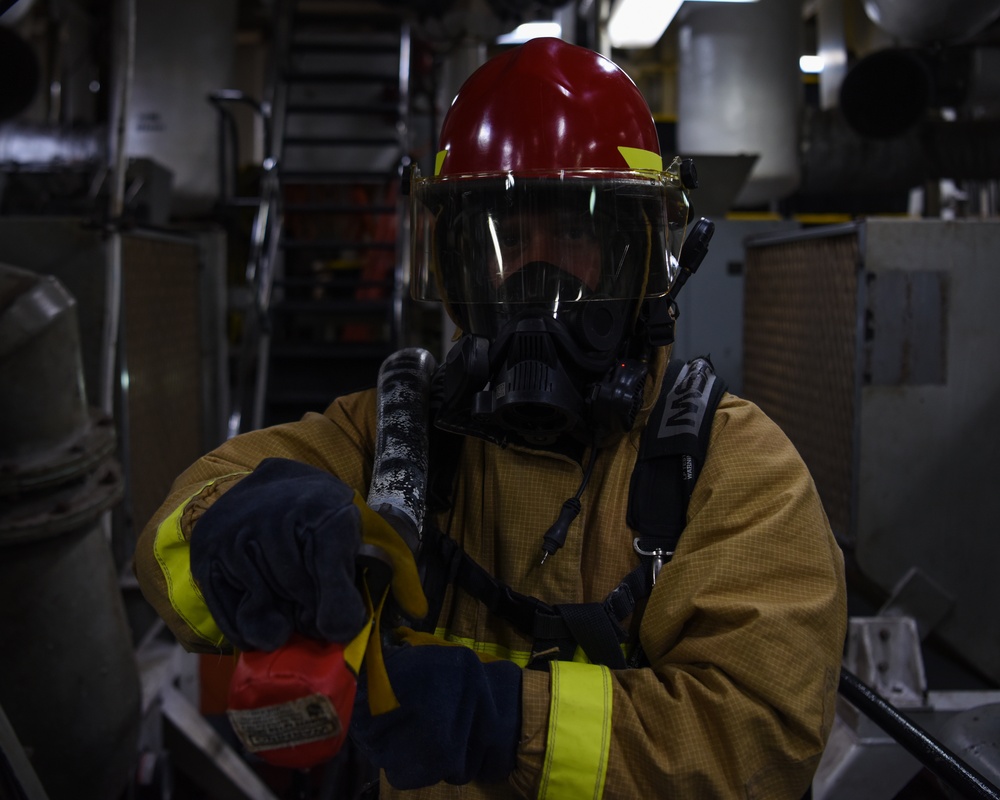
{"x": 641, "y": 23}
{"x": 531, "y": 30}
{"x": 811, "y": 64}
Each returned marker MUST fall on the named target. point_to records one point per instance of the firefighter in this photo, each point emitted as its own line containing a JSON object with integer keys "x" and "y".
{"x": 548, "y": 229}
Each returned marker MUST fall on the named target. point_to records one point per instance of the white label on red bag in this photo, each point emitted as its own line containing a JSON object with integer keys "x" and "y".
{"x": 296, "y": 722}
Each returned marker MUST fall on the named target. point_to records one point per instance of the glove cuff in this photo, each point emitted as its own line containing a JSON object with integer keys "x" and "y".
{"x": 499, "y": 752}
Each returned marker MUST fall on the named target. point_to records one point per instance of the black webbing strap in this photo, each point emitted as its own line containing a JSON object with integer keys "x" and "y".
{"x": 631, "y": 589}
{"x": 672, "y": 453}
{"x": 596, "y": 633}
{"x": 532, "y": 617}
{"x": 592, "y": 626}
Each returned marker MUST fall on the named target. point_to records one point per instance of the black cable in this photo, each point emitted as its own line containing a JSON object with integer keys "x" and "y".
{"x": 555, "y": 536}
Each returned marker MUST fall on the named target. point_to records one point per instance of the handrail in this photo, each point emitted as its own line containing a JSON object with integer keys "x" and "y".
{"x": 915, "y": 740}
{"x": 247, "y": 403}
{"x": 221, "y": 100}
{"x": 247, "y": 406}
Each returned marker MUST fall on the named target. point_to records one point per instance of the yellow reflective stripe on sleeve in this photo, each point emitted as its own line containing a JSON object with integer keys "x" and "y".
{"x": 173, "y": 553}
{"x": 579, "y": 736}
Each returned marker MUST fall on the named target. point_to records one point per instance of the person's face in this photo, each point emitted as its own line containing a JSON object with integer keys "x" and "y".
{"x": 560, "y": 238}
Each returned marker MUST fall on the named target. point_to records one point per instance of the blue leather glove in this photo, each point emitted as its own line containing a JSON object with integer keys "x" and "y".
{"x": 276, "y": 554}
{"x": 458, "y": 720}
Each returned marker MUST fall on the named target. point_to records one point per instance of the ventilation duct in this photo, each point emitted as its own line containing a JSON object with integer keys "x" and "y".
{"x": 890, "y": 91}
{"x": 932, "y": 21}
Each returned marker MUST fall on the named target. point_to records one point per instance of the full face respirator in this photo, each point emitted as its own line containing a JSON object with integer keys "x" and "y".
{"x": 548, "y": 278}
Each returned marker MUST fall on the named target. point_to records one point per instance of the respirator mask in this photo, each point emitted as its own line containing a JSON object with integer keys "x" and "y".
{"x": 545, "y": 276}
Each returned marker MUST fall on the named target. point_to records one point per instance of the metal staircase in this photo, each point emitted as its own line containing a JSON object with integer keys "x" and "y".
{"x": 331, "y": 304}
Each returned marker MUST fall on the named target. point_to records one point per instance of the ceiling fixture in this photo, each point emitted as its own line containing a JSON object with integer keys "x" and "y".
{"x": 635, "y": 24}
{"x": 531, "y": 30}
{"x": 811, "y": 64}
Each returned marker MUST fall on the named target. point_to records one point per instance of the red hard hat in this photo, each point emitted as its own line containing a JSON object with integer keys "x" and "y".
{"x": 546, "y": 138}
{"x": 580, "y": 111}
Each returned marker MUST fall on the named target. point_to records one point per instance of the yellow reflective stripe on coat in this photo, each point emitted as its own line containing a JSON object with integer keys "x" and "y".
{"x": 579, "y": 736}
{"x": 173, "y": 553}
{"x": 519, "y": 657}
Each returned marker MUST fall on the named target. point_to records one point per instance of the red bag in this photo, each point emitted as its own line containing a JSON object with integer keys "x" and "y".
{"x": 292, "y": 707}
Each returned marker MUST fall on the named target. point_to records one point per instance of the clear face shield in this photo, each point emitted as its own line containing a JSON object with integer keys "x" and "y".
{"x": 495, "y": 246}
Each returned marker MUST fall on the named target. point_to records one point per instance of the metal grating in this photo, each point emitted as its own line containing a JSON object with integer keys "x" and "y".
{"x": 162, "y": 350}
{"x": 800, "y": 355}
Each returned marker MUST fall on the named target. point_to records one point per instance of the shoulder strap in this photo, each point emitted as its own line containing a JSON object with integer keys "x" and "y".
{"x": 672, "y": 453}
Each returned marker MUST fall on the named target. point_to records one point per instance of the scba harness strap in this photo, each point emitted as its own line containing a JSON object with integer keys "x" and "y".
{"x": 671, "y": 454}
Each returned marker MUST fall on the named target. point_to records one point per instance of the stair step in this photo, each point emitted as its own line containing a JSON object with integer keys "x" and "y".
{"x": 242, "y": 202}
{"x": 331, "y": 307}
{"x": 338, "y": 77}
{"x": 329, "y": 283}
{"x": 335, "y": 141}
{"x": 318, "y": 399}
{"x": 336, "y": 208}
{"x": 337, "y": 176}
{"x": 358, "y": 23}
{"x": 314, "y": 47}
{"x": 338, "y": 109}
{"x": 335, "y": 244}
{"x": 292, "y": 406}
{"x": 285, "y": 405}
{"x": 334, "y": 351}
{"x": 330, "y": 279}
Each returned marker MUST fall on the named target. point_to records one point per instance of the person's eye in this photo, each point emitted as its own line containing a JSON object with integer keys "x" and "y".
{"x": 509, "y": 234}
{"x": 574, "y": 227}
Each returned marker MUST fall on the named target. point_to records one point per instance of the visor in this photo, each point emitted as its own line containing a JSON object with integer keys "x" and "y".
{"x": 546, "y": 240}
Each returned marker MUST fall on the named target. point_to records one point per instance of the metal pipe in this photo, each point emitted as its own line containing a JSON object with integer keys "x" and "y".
{"x": 59, "y": 595}
{"x": 33, "y": 144}
{"x": 124, "y": 67}
{"x": 916, "y": 741}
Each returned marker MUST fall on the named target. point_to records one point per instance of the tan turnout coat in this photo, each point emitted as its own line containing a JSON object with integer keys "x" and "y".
{"x": 744, "y": 628}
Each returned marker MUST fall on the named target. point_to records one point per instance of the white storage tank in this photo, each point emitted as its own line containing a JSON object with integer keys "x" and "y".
{"x": 739, "y": 90}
